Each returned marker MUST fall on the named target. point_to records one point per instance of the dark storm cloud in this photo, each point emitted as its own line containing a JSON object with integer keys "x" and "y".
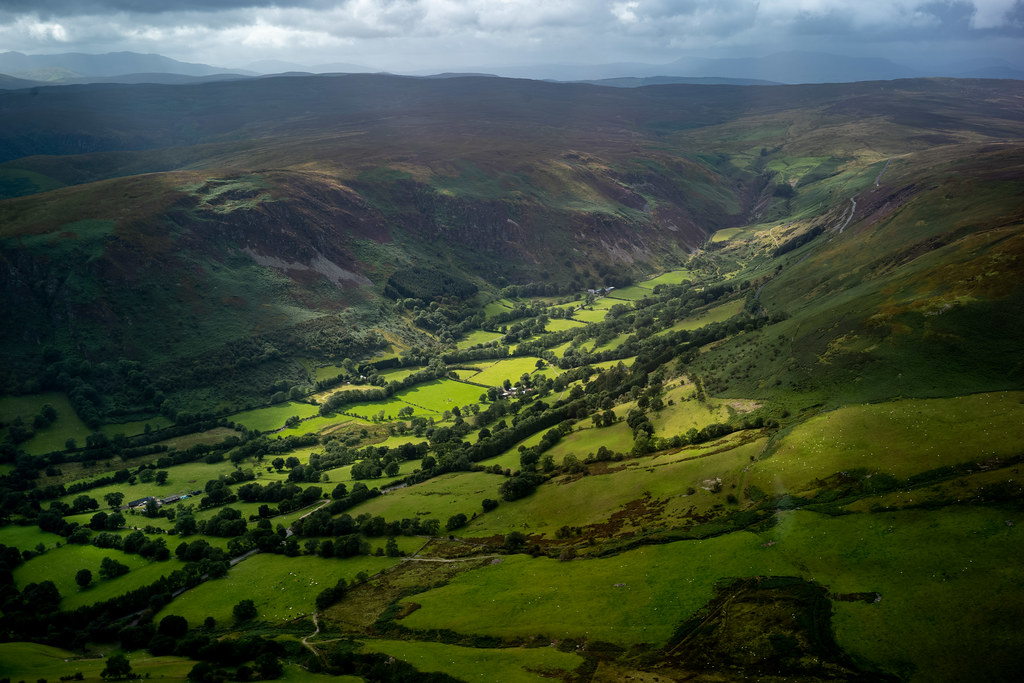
{"x": 391, "y": 33}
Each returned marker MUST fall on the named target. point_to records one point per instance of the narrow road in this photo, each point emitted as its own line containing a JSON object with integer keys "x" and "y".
{"x": 305, "y": 641}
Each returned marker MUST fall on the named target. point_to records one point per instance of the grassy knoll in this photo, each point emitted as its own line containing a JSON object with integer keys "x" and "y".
{"x": 283, "y": 588}
{"x": 31, "y": 661}
{"x": 440, "y": 497}
{"x": 517, "y": 665}
{"x": 61, "y": 564}
{"x": 273, "y": 417}
{"x": 899, "y": 438}
{"x": 510, "y": 368}
{"x": 931, "y": 569}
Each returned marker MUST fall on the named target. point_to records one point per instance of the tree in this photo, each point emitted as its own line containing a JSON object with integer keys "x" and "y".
{"x": 115, "y": 520}
{"x": 455, "y": 521}
{"x": 244, "y": 610}
{"x": 117, "y": 666}
{"x": 83, "y": 578}
{"x": 392, "y": 469}
{"x": 114, "y": 499}
{"x": 489, "y": 504}
{"x": 391, "y": 548}
{"x": 173, "y": 626}
{"x": 161, "y": 477}
{"x": 111, "y": 568}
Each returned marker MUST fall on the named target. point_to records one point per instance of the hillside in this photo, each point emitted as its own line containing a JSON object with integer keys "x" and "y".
{"x": 431, "y": 379}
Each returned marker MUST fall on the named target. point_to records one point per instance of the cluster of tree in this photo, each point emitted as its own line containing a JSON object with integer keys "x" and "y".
{"x": 134, "y": 543}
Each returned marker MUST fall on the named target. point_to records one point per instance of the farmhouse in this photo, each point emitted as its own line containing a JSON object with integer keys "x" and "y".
{"x": 140, "y": 502}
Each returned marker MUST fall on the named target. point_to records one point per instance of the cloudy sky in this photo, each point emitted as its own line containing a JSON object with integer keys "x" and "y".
{"x": 413, "y": 35}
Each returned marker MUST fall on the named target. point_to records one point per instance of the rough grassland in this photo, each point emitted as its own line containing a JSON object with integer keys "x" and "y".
{"x": 593, "y": 499}
{"x": 899, "y": 438}
{"x": 920, "y": 616}
{"x": 283, "y": 588}
{"x": 478, "y": 664}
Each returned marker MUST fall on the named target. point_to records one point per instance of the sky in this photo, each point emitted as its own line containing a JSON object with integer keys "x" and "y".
{"x": 409, "y": 36}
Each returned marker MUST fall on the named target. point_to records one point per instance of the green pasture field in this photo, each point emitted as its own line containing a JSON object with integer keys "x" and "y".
{"x": 931, "y": 568}
{"x": 582, "y": 442}
{"x": 715, "y": 314}
{"x": 498, "y": 306}
{"x": 283, "y": 588}
{"x": 34, "y": 662}
{"x": 293, "y": 673}
{"x": 598, "y": 312}
{"x": 631, "y": 293}
{"x": 273, "y": 417}
{"x": 672, "y": 277}
{"x": 180, "y": 478}
{"x": 561, "y": 324}
{"x": 328, "y": 372}
{"x": 478, "y": 337}
{"x": 593, "y": 499}
{"x": 61, "y": 564}
{"x": 211, "y": 436}
{"x": 687, "y": 412}
{"x": 899, "y": 438}
{"x": 136, "y": 427}
{"x": 317, "y": 425}
{"x": 52, "y": 438}
{"x": 440, "y": 497}
{"x": 510, "y": 368}
{"x": 466, "y": 374}
{"x": 28, "y": 537}
{"x": 398, "y": 374}
{"x": 440, "y": 395}
{"x": 604, "y": 365}
{"x": 516, "y": 664}
{"x": 615, "y": 343}
{"x": 390, "y": 406}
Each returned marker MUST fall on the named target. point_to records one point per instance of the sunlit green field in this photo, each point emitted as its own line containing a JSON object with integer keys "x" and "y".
{"x": 273, "y": 417}
{"x": 642, "y": 595}
{"x": 283, "y": 588}
{"x": 516, "y": 665}
{"x": 899, "y": 438}
{"x": 34, "y": 662}
{"x": 440, "y": 497}
{"x": 511, "y": 369}
{"x": 61, "y": 564}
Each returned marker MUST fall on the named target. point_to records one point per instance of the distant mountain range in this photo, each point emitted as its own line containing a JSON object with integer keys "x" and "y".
{"x": 18, "y": 70}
